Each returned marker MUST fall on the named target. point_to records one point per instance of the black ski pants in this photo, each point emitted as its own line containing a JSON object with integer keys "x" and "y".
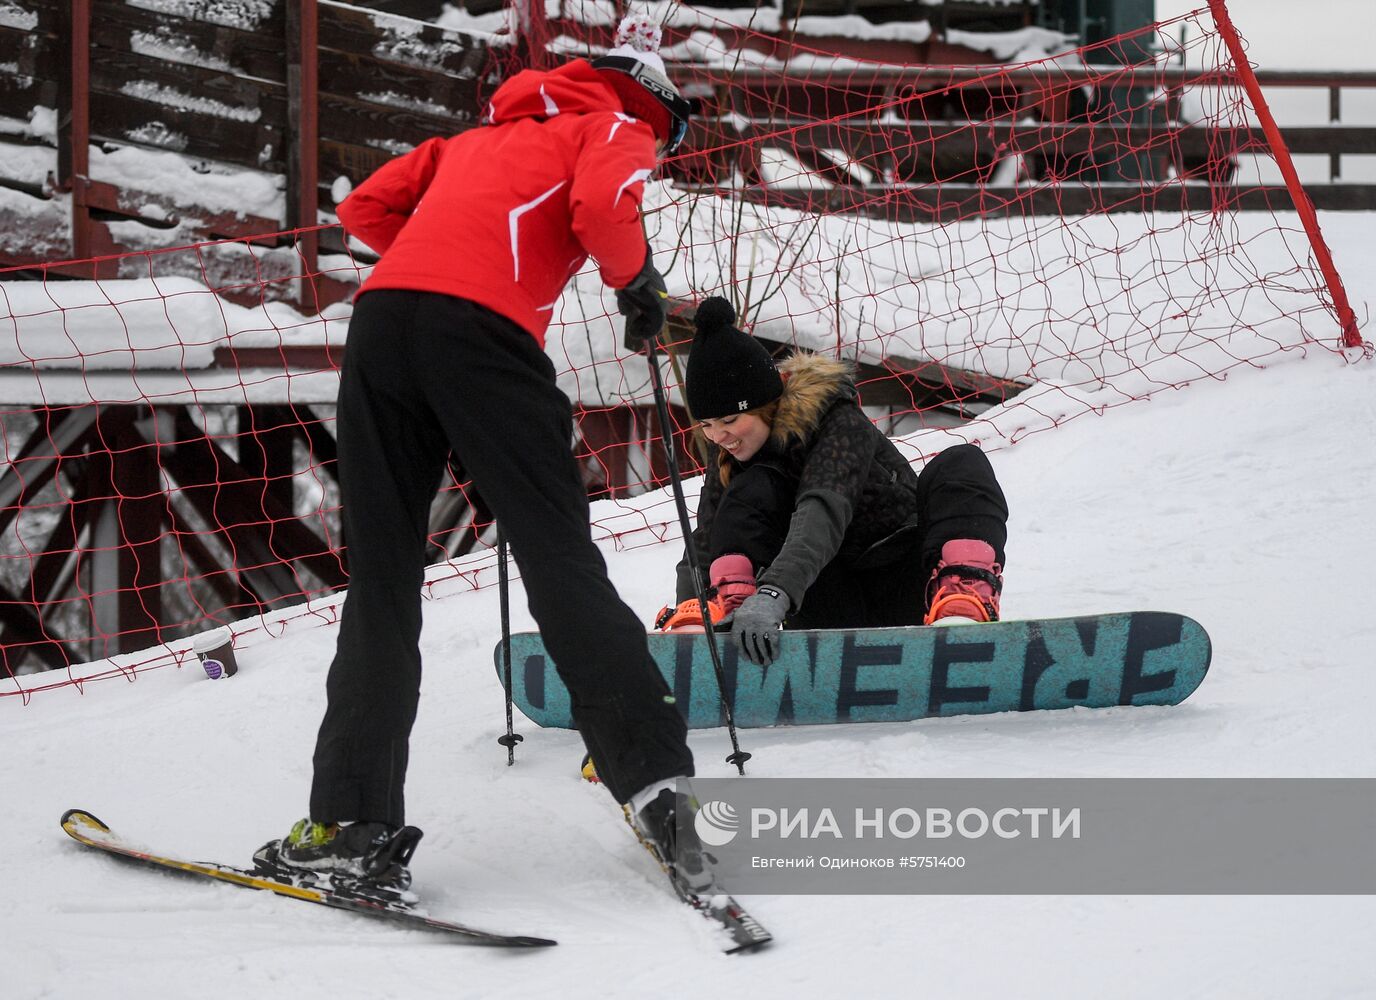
{"x": 425, "y": 373}
{"x": 957, "y": 496}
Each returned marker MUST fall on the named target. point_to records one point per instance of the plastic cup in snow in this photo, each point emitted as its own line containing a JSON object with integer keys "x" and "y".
{"x": 215, "y": 650}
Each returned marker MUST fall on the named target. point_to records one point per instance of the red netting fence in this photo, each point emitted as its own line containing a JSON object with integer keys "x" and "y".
{"x": 997, "y": 248}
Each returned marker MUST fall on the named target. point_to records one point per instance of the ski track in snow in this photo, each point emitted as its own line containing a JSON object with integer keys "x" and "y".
{"x": 1243, "y": 503}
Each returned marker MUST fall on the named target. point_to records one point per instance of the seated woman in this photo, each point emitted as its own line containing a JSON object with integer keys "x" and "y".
{"x": 809, "y": 516}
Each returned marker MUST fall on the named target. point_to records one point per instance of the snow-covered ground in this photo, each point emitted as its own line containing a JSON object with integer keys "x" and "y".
{"x": 1244, "y": 503}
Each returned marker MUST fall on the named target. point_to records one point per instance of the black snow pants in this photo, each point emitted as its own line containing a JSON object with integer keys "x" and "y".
{"x": 957, "y": 496}
{"x": 425, "y": 373}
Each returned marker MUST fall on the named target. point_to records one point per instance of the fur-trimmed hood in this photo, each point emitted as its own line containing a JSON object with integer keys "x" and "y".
{"x": 812, "y": 385}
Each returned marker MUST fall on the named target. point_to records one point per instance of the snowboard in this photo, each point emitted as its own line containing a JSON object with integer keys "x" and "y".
{"x": 902, "y": 674}
{"x": 87, "y": 830}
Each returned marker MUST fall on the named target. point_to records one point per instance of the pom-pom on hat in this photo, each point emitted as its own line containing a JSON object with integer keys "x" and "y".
{"x": 729, "y": 371}
{"x": 639, "y": 37}
{"x": 634, "y": 69}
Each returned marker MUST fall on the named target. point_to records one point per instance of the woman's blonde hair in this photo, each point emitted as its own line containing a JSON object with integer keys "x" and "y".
{"x": 725, "y": 463}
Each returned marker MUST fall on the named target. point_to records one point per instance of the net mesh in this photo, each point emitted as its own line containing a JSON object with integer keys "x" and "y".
{"x": 997, "y": 248}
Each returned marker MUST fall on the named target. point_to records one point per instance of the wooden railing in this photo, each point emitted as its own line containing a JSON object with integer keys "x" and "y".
{"x": 312, "y": 91}
{"x": 925, "y": 143}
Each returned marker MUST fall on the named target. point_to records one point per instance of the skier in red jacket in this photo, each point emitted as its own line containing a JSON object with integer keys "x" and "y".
{"x": 478, "y": 234}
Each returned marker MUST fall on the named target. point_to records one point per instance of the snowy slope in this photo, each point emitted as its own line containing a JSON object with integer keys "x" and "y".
{"x": 1244, "y": 503}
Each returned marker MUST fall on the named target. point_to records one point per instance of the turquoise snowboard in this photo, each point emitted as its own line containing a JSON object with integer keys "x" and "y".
{"x": 901, "y": 674}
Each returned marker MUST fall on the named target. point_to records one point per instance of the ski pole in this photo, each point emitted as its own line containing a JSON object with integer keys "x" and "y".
{"x": 503, "y": 585}
{"x": 738, "y": 756}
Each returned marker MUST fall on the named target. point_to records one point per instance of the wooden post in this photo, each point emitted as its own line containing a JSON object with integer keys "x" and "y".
{"x": 1335, "y": 114}
{"x": 303, "y": 143}
{"x": 140, "y": 504}
{"x": 74, "y": 125}
{"x": 124, "y": 553}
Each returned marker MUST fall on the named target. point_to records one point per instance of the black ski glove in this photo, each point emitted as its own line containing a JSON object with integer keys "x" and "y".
{"x": 756, "y": 624}
{"x": 645, "y": 304}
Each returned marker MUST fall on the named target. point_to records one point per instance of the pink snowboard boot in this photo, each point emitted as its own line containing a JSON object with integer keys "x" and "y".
{"x": 965, "y": 585}
{"x": 733, "y": 578}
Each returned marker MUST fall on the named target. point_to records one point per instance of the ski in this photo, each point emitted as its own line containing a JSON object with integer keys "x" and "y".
{"x": 398, "y": 907}
{"x": 742, "y": 932}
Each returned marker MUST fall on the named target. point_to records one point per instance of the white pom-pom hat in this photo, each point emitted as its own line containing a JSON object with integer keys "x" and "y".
{"x": 635, "y": 70}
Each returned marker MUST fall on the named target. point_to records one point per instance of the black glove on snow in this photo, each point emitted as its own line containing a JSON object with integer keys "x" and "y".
{"x": 756, "y": 624}
{"x": 645, "y": 304}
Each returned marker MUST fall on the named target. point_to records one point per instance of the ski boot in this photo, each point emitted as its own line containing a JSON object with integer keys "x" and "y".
{"x": 965, "y": 585}
{"x": 665, "y": 825}
{"x": 366, "y": 858}
{"x": 678, "y": 850}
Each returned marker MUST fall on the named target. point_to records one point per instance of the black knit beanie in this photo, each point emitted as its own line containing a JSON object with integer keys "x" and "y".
{"x": 728, "y": 371}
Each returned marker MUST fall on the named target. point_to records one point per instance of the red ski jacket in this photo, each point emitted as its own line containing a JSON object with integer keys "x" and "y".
{"x": 505, "y": 214}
